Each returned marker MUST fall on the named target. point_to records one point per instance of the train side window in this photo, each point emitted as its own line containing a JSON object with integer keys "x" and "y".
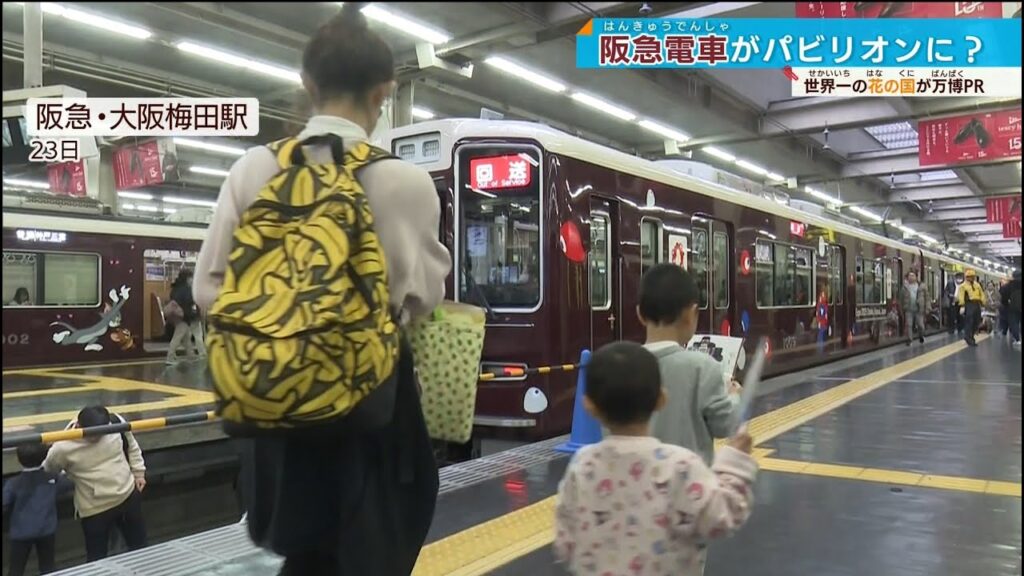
{"x": 699, "y": 264}
{"x": 651, "y": 250}
{"x": 600, "y": 256}
{"x": 763, "y": 274}
{"x": 51, "y": 279}
{"x": 835, "y": 275}
{"x": 803, "y": 294}
{"x": 870, "y": 281}
{"x": 720, "y": 271}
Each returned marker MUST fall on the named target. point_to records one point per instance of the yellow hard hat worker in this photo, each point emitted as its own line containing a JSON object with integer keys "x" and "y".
{"x": 970, "y": 274}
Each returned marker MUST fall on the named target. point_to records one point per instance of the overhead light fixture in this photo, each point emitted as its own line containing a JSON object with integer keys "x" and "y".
{"x": 209, "y": 171}
{"x": 422, "y": 113}
{"x": 670, "y": 133}
{"x": 135, "y": 195}
{"x": 907, "y": 230}
{"x": 94, "y": 20}
{"x": 750, "y": 167}
{"x": 822, "y": 196}
{"x": 530, "y": 76}
{"x": 208, "y": 146}
{"x": 604, "y": 106}
{"x": 19, "y": 183}
{"x": 775, "y": 177}
{"x": 404, "y": 24}
{"x": 719, "y": 153}
{"x": 240, "y": 61}
{"x": 867, "y": 213}
{"x": 928, "y": 239}
{"x": 188, "y": 201}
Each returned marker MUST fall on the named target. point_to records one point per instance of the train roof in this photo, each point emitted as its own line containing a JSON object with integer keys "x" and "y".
{"x": 451, "y": 131}
{"x": 113, "y": 227}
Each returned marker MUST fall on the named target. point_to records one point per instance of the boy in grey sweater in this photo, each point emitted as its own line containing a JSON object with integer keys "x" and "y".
{"x": 699, "y": 409}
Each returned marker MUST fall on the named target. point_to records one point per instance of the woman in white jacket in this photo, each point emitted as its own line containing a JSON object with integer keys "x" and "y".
{"x": 361, "y": 505}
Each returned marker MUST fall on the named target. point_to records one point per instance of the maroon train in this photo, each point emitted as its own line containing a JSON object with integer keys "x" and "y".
{"x": 552, "y": 233}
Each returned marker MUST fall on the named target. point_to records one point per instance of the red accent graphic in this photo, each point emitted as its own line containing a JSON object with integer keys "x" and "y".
{"x": 787, "y": 71}
{"x": 138, "y": 166}
{"x": 746, "y": 263}
{"x": 822, "y": 312}
{"x": 1011, "y": 228}
{"x": 767, "y": 348}
{"x": 67, "y": 178}
{"x": 678, "y": 255}
{"x": 797, "y": 229}
{"x": 498, "y": 172}
{"x": 999, "y": 210}
{"x": 572, "y": 244}
{"x": 726, "y": 328}
{"x": 970, "y": 138}
{"x": 899, "y": 9}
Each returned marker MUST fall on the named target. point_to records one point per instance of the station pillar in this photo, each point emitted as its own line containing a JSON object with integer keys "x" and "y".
{"x": 403, "y": 104}
{"x": 32, "y": 13}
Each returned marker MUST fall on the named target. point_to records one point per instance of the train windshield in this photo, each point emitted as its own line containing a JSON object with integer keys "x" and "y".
{"x": 499, "y": 226}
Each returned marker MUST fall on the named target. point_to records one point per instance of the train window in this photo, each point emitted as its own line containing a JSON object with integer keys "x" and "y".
{"x": 600, "y": 256}
{"x": 720, "y": 269}
{"x": 870, "y": 281}
{"x": 699, "y": 264}
{"x": 835, "y": 275}
{"x": 51, "y": 279}
{"x": 784, "y": 275}
{"x": 500, "y": 228}
{"x": 651, "y": 251}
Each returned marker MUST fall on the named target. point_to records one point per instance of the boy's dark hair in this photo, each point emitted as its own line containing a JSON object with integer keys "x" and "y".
{"x": 666, "y": 290}
{"x": 624, "y": 382}
{"x": 93, "y": 416}
{"x": 345, "y": 57}
{"x": 32, "y": 455}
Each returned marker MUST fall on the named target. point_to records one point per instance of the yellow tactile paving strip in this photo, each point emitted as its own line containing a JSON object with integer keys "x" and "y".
{"x": 485, "y": 547}
{"x": 178, "y": 397}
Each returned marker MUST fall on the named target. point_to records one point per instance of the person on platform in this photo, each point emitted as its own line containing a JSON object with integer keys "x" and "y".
{"x": 30, "y": 502}
{"x": 698, "y": 407}
{"x": 914, "y": 302}
{"x": 109, "y": 473}
{"x": 189, "y": 327}
{"x": 360, "y": 504}
{"x": 632, "y": 504}
{"x": 972, "y": 300}
{"x": 950, "y": 306}
{"x": 1010, "y": 296}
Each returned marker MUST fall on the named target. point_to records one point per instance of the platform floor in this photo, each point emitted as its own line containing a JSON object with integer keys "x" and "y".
{"x": 906, "y": 461}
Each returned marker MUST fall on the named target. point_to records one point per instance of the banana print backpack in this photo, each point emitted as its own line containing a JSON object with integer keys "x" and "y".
{"x": 301, "y": 336}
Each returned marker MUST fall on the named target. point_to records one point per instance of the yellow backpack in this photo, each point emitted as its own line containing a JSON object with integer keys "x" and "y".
{"x": 301, "y": 332}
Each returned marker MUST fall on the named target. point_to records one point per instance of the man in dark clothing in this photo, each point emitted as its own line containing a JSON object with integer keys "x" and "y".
{"x": 949, "y": 305}
{"x": 1010, "y": 297}
{"x": 31, "y": 500}
{"x": 189, "y": 326}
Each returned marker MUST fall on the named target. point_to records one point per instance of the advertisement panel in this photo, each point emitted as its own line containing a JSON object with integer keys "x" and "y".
{"x": 970, "y": 138}
{"x": 67, "y": 178}
{"x": 145, "y": 164}
{"x": 900, "y": 9}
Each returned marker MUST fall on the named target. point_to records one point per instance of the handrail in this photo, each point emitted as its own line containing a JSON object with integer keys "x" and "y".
{"x": 515, "y": 372}
{"x": 114, "y": 428}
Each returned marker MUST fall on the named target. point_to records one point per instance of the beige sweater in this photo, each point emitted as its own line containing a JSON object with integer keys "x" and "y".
{"x": 405, "y": 207}
{"x": 103, "y": 477}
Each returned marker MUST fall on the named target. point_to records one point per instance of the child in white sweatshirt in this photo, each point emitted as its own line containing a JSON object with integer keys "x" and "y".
{"x": 632, "y": 504}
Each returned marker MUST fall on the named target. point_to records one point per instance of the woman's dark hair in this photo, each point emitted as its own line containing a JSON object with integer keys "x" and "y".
{"x": 184, "y": 276}
{"x": 21, "y": 295}
{"x": 345, "y": 57}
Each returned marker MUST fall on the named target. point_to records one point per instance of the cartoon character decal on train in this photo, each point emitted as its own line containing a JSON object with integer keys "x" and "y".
{"x": 89, "y": 337}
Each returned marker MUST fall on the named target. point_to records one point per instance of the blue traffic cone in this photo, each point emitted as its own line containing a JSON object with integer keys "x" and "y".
{"x": 585, "y": 429}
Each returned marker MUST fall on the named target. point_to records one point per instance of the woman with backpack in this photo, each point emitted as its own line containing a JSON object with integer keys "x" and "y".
{"x": 182, "y": 313}
{"x": 331, "y": 503}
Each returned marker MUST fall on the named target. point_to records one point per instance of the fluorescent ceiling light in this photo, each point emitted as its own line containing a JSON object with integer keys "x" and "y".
{"x": 19, "y": 183}
{"x": 240, "y": 61}
{"x": 894, "y": 135}
{"x": 719, "y": 153}
{"x": 665, "y": 131}
{"x": 822, "y": 196}
{"x": 94, "y": 20}
{"x": 937, "y": 175}
{"x": 907, "y": 230}
{"x": 775, "y": 177}
{"x": 867, "y": 213}
{"x": 209, "y": 146}
{"x": 135, "y": 195}
{"x": 188, "y": 201}
{"x": 422, "y": 113}
{"x": 750, "y": 167}
{"x": 603, "y": 105}
{"x": 404, "y": 24}
{"x": 517, "y": 70}
{"x": 928, "y": 239}
{"x": 208, "y": 171}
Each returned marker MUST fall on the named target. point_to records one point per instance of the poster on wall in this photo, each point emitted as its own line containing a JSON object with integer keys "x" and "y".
{"x": 999, "y": 210}
{"x": 476, "y": 241}
{"x": 969, "y": 138}
{"x": 145, "y": 164}
{"x": 67, "y": 178}
{"x": 905, "y": 9}
{"x": 678, "y": 253}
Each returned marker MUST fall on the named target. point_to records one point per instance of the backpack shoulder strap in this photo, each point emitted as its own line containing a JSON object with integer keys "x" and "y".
{"x": 118, "y": 419}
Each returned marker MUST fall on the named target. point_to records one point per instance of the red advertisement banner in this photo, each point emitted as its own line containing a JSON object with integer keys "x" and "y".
{"x": 970, "y": 138}
{"x": 144, "y": 164}
{"x": 67, "y": 178}
{"x": 999, "y": 210}
{"x": 900, "y": 9}
{"x": 1011, "y": 228}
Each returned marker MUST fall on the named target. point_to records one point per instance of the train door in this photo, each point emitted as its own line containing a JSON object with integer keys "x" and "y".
{"x": 712, "y": 268}
{"x": 837, "y": 319}
{"x": 605, "y": 264}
